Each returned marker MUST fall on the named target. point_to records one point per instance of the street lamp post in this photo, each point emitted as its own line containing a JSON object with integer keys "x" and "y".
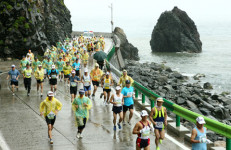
{"x": 112, "y": 23}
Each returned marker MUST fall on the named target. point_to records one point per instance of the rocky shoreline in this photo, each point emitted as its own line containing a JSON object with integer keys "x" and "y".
{"x": 176, "y": 87}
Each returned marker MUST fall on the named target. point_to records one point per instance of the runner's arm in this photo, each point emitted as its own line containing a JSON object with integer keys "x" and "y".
{"x": 58, "y": 105}
{"x": 165, "y": 116}
{"x": 194, "y": 134}
{"x": 152, "y": 113}
{"x": 7, "y": 77}
{"x": 136, "y": 129}
{"x": 41, "y": 108}
{"x": 111, "y": 100}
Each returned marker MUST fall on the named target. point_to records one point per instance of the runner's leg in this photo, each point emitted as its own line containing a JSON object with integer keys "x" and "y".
{"x": 130, "y": 115}
{"x": 157, "y": 134}
{"x": 108, "y": 96}
{"x": 121, "y": 117}
{"x": 114, "y": 118}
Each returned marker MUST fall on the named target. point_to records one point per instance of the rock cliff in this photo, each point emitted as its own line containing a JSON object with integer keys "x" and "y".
{"x": 32, "y": 24}
{"x": 175, "y": 32}
{"x": 128, "y": 51}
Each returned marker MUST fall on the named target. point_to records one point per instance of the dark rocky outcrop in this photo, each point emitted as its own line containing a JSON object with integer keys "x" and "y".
{"x": 32, "y": 24}
{"x": 127, "y": 49}
{"x": 175, "y": 32}
{"x": 179, "y": 89}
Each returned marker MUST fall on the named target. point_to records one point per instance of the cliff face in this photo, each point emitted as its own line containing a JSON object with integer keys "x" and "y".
{"x": 175, "y": 32}
{"x": 32, "y": 24}
{"x": 128, "y": 51}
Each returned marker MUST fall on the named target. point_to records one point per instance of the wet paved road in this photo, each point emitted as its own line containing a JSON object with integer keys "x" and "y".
{"x": 22, "y": 127}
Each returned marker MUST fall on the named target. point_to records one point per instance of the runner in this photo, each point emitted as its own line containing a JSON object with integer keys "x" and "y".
{"x": 117, "y": 101}
{"x": 60, "y": 65}
{"x": 106, "y": 84}
{"x": 74, "y": 85}
{"x": 49, "y": 64}
{"x": 67, "y": 71}
{"x": 86, "y": 80}
{"x": 14, "y": 75}
{"x": 27, "y": 78}
{"x": 39, "y": 76}
{"x": 23, "y": 63}
{"x": 49, "y": 108}
{"x": 85, "y": 57}
{"x": 35, "y": 64}
{"x": 31, "y": 55}
{"x": 158, "y": 117}
{"x": 53, "y": 76}
{"x": 125, "y": 77}
{"x": 96, "y": 74}
{"x": 28, "y": 58}
{"x": 128, "y": 95}
{"x": 76, "y": 67}
{"x": 142, "y": 129}
{"x": 198, "y": 137}
{"x": 81, "y": 106}
{"x": 44, "y": 63}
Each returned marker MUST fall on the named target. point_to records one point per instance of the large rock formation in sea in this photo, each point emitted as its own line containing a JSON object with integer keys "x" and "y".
{"x": 32, "y": 24}
{"x": 127, "y": 49}
{"x": 175, "y": 32}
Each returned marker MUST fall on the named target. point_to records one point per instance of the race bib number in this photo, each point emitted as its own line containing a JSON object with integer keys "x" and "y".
{"x": 28, "y": 74}
{"x": 130, "y": 94}
{"x": 95, "y": 77}
{"x": 146, "y": 133}
{"x": 73, "y": 84}
{"x": 106, "y": 84}
{"x": 13, "y": 76}
{"x": 53, "y": 76}
{"x": 51, "y": 115}
{"x": 159, "y": 124}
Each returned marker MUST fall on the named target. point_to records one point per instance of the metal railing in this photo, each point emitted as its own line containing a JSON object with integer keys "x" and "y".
{"x": 216, "y": 126}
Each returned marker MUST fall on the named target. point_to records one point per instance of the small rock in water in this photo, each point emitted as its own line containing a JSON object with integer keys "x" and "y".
{"x": 208, "y": 86}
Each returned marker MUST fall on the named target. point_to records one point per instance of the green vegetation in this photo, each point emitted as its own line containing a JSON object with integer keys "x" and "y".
{"x": 18, "y": 5}
{"x": 30, "y": 21}
{"x": 10, "y": 29}
{"x": 15, "y": 25}
{"x": 38, "y": 10}
{"x": 1, "y": 42}
{"x": 25, "y": 40}
{"x": 27, "y": 26}
{"x": 29, "y": 9}
{"x": 9, "y": 7}
{"x": 21, "y": 19}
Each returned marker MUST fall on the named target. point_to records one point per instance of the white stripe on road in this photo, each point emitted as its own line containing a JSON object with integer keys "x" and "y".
{"x": 169, "y": 137}
{"x": 3, "y": 144}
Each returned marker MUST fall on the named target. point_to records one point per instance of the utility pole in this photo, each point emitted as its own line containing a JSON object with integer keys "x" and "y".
{"x": 112, "y": 23}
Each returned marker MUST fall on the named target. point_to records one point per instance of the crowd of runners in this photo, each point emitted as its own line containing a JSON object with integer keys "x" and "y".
{"x": 67, "y": 62}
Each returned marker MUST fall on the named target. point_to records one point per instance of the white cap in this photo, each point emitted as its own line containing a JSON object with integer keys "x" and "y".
{"x": 118, "y": 88}
{"x": 159, "y": 99}
{"x": 107, "y": 73}
{"x": 144, "y": 113}
{"x": 200, "y": 120}
{"x": 39, "y": 65}
{"x": 13, "y": 66}
{"x": 96, "y": 65}
{"x": 53, "y": 66}
{"x": 73, "y": 71}
{"x": 50, "y": 93}
{"x": 85, "y": 70}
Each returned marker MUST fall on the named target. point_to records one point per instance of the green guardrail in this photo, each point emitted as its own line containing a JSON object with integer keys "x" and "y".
{"x": 216, "y": 126}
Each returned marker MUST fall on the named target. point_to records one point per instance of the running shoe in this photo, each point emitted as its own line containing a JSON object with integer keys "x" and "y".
{"x": 158, "y": 148}
{"x": 101, "y": 95}
{"x": 51, "y": 141}
{"x": 119, "y": 126}
{"x": 28, "y": 94}
{"x": 114, "y": 128}
{"x": 81, "y": 136}
{"x": 161, "y": 141}
{"x": 78, "y": 135}
{"x": 68, "y": 85}
{"x": 55, "y": 93}
{"x": 13, "y": 94}
{"x": 93, "y": 95}
{"x": 124, "y": 123}
{"x": 41, "y": 94}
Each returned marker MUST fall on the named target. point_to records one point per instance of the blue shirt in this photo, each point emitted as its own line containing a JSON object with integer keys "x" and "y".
{"x": 199, "y": 146}
{"x": 14, "y": 74}
{"x": 72, "y": 81}
{"x": 53, "y": 71}
{"x": 128, "y": 101}
{"x": 76, "y": 65}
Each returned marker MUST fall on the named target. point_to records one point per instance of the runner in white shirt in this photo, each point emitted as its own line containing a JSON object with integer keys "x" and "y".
{"x": 117, "y": 100}
{"x": 86, "y": 80}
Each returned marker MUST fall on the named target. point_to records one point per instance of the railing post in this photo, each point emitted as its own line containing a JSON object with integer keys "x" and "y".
{"x": 152, "y": 104}
{"x": 228, "y": 144}
{"x": 143, "y": 98}
{"x": 177, "y": 121}
{"x": 136, "y": 93}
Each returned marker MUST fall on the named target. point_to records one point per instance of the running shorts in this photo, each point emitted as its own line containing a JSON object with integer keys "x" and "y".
{"x": 87, "y": 88}
{"x": 39, "y": 81}
{"x": 67, "y": 76}
{"x": 50, "y": 121}
{"x": 53, "y": 81}
{"x": 73, "y": 90}
{"x": 84, "y": 124}
{"x": 14, "y": 83}
{"x": 107, "y": 90}
{"x": 142, "y": 143}
{"x": 77, "y": 72}
{"x": 95, "y": 83}
{"x": 125, "y": 108}
{"x": 116, "y": 109}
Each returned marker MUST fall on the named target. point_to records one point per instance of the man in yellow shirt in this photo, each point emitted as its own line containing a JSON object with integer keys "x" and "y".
{"x": 96, "y": 74}
{"x": 123, "y": 79}
{"x": 49, "y": 108}
{"x": 106, "y": 84}
{"x": 27, "y": 78}
{"x": 67, "y": 71}
{"x": 85, "y": 57}
{"x": 39, "y": 76}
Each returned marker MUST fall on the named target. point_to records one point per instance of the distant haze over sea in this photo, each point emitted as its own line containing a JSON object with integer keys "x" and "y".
{"x": 212, "y": 18}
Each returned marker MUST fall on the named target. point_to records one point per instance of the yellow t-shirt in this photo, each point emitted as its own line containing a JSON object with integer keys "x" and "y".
{"x": 39, "y": 74}
{"x": 27, "y": 73}
{"x": 96, "y": 74}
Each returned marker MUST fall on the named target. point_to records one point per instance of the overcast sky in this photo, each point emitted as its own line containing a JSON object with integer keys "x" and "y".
{"x": 84, "y": 11}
